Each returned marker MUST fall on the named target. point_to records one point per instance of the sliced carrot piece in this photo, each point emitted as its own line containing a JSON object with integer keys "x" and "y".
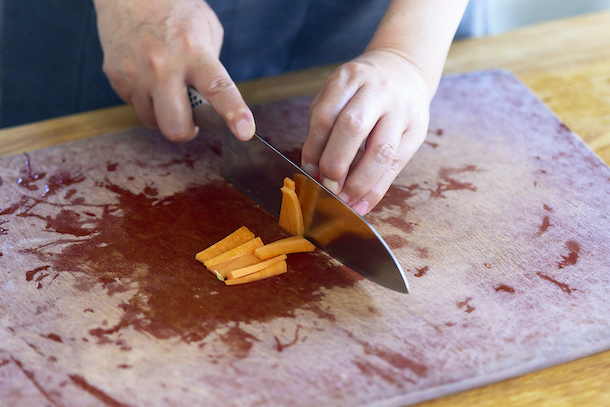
{"x": 284, "y": 219}
{"x": 244, "y": 271}
{"x": 291, "y": 205}
{"x": 240, "y": 236}
{"x": 240, "y": 262}
{"x": 300, "y": 181}
{"x": 276, "y": 269}
{"x": 293, "y": 244}
{"x": 289, "y": 183}
{"x": 236, "y": 252}
{"x": 308, "y": 192}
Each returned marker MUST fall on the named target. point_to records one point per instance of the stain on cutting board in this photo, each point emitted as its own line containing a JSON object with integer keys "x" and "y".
{"x": 500, "y": 220}
{"x": 144, "y": 241}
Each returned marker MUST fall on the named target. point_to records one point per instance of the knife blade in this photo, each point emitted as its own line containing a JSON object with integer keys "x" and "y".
{"x": 258, "y": 169}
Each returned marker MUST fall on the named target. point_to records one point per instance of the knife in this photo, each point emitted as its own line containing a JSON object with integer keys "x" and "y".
{"x": 258, "y": 169}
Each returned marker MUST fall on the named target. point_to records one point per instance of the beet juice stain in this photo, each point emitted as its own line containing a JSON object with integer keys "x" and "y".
{"x": 59, "y": 181}
{"x": 151, "y": 242}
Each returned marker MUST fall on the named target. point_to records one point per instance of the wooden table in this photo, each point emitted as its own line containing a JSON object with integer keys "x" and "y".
{"x": 566, "y": 62}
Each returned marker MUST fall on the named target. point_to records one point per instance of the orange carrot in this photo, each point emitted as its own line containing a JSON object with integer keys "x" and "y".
{"x": 289, "y": 183}
{"x": 240, "y": 236}
{"x": 284, "y": 219}
{"x": 244, "y": 271}
{"x": 293, "y": 244}
{"x": 240, "y": 262}
{"x": 294, "y": 216}
{"x": 236, "y": 252}
{"x": 300, "y": 181}
{"x": 276, "y": 269}
{"x": 308, "y": 192}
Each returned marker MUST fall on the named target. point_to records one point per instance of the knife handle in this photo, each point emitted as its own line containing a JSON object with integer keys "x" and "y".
{"x": 204, "y": 114}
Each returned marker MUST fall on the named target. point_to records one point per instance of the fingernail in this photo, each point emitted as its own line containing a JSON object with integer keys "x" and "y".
{"x": 361, "y": 207}
{"x": 333, "y": 186}
{"x": 244, "y": 129}
{"x": 342, "y": 196}
{"x": 311, "y": 169}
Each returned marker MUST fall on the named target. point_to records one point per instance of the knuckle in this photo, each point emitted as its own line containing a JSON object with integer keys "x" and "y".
{"x": 353, "y": 71}
{"x": 311, "y": 150}
{"x": 190, "y": 42}
{"x": 323, "y": 119}
{"x": 357, "y": 188}
{"x": 396, "y": 165}
{"x": 354, "y": 68}
{"x": 351, "y": 123}
{"x": 114, "y": 75}
{"x": 332, "y": 169}
{"x": 383, "y": 153}
{"x": 158, "y": 65}
{"x": 220, "y": 84}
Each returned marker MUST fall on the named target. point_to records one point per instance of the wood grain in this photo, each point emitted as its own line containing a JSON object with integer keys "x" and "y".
{"x": 567, "y": 63}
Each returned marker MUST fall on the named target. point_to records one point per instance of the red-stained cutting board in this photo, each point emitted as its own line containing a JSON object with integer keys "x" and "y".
{"x": 501, "y": 219}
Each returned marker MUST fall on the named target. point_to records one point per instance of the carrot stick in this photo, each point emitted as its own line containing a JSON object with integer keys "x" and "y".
{"x": 308, "y": 193}
{"x": 291, "y": 204}
{"x": 284, "y": 219}
{"x": 289, "y": 183}
{"x": 240, "y": 262}
{"x": 300, "y": 181}
{"x": 244, "y": 271}
{"x": 276, "y": 269}
{"x": 240, "y": 236}
{"x": 293, "y": 244}
{"x": 236, "y": 252}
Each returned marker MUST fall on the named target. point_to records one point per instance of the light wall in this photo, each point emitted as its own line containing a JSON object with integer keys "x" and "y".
{"x": 503, "y": 15}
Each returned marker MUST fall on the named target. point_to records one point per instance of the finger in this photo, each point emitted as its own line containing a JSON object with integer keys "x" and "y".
{"x": 382, "y": 145}
{"x": 354, "y": 124}
{"x": 143, "y": 104}
{"x": 172, "y": 110}
{"x": 117, "y": 82}
{"x": 217, "y": 87}
{"x": 410, "y": 142}
{"x": 323, "y": 113}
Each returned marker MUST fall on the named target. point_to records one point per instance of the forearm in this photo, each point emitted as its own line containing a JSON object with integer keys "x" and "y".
{"x": 421, "y": 31}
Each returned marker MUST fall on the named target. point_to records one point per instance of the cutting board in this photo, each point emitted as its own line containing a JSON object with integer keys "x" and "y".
{"x": 501, "y": 220}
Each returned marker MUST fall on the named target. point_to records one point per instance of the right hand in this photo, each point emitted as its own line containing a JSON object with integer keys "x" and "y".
{"x": 155, "y": 49}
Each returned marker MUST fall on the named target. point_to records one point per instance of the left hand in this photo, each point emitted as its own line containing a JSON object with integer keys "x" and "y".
{"x": 380, "y": 99}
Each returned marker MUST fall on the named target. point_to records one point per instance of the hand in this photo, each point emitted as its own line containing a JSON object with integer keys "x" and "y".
{"x": 154, "y": 49}
{"x": 379, "y": 99}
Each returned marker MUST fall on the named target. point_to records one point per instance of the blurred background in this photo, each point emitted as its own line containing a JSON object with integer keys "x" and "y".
{"x": 50, "y": 58}
{"x": 496, "y": 16}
